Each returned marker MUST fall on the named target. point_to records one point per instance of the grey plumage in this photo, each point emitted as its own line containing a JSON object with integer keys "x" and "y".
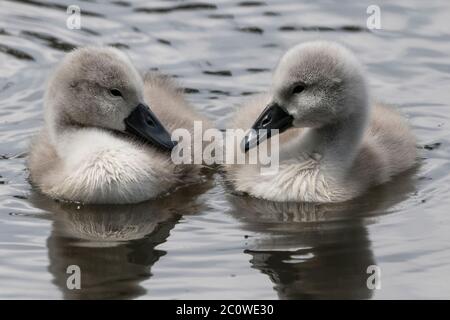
{"x": 342, "y": 143}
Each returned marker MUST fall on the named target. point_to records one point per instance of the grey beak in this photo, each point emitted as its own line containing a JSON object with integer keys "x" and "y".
{"x": 143, "y": 123}
{"x": 273, "y": 117}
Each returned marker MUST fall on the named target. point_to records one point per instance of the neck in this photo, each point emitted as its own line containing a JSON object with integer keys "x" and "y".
{"x": 338, "y": 142}
{"x": 335, "y": 144}
{"x": 59, "y": 128}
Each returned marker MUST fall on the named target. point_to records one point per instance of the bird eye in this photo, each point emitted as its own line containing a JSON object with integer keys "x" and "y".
{"x": 115, "y": 92}
{"x": 299, "y": 87}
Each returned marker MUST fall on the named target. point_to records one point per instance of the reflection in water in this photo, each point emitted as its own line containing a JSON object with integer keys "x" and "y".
{"x": 114, "y": 246}
{"x": 312, "y": 251}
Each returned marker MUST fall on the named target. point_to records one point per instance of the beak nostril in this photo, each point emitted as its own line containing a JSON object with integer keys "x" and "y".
{"x": 267, "y": 119}
{"x": 150, "y": 122}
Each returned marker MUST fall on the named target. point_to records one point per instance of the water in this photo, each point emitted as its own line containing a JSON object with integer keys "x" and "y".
{"x": 203, "y": 242}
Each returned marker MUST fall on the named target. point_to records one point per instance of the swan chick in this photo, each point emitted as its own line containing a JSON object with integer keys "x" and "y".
{"x": 334, "y": 142}
{"x": 101, "y": 142}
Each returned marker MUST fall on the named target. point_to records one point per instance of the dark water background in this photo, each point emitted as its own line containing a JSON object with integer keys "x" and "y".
{"x": 202, "y": 242}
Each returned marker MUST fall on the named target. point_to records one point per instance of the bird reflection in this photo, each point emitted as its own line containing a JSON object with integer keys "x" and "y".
{"x": 317, "y": 251}
{"x": 114, "y": 245}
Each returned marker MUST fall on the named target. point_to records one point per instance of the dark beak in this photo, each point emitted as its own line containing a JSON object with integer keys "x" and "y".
{"x": 273, "y": 117}
{"x": 144, "y": 124}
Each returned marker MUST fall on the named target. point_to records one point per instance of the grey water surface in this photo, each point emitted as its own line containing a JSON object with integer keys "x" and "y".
{"x": 203, "y": 242}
